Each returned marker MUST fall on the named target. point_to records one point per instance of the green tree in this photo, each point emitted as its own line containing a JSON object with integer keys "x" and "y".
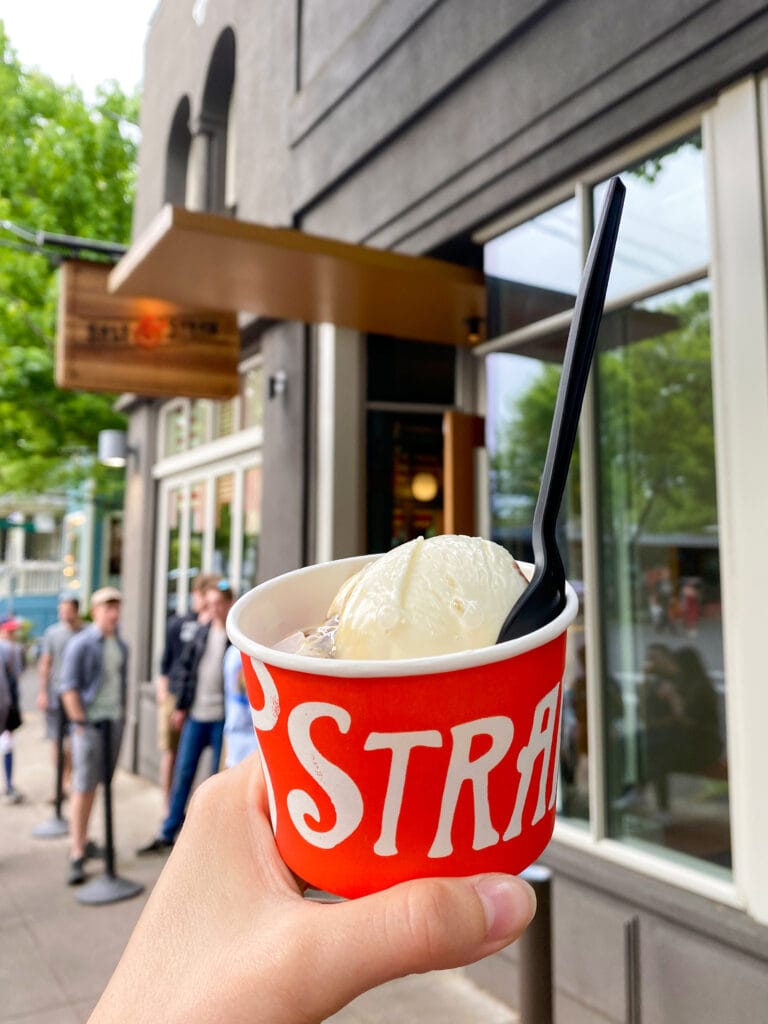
{"x": 656, "y": 435}
{"x": 66, "y": 167}
{"x": 657, "y": 444}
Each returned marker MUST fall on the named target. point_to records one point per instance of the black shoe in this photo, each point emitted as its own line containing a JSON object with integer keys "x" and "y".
{"x": 93, "y": 851}
{"x": 158, "y": 845}
{"x": 76, "y": 874}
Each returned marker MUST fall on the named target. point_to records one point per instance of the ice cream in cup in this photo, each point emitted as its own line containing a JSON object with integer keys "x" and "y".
{"x": 381, "y": 764}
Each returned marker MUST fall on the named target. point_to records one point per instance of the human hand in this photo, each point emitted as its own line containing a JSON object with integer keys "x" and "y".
{"x": 239, "y": 943}
{"x": 41, "y": 701}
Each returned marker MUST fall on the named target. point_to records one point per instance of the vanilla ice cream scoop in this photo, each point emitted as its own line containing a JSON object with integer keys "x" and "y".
{"x": 427, "y": 597}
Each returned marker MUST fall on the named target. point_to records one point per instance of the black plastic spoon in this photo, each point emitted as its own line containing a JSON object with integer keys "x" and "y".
{"x": 544, "y": 597}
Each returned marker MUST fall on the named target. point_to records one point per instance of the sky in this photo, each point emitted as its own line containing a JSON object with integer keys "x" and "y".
{"x": 87, "y": 42}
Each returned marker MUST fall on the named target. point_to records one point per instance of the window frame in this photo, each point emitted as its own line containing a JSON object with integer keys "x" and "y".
{"x": 732, "y": 126}
{"x": 207, "y": 472}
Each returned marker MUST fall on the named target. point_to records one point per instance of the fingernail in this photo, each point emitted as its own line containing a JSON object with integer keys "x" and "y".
{"x": 509, "y": 905}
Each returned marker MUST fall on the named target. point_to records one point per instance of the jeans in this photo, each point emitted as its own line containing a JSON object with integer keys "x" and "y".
{"x": 195, "y": 737}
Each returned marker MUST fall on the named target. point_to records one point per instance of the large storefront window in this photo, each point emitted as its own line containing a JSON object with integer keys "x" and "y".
{"x": 663, "y": 650}
{"x": 660, "y": 678}
{"x": 209, "y": 521}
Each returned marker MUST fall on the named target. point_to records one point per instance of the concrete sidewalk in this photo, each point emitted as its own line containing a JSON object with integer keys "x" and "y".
{"x": 56, "y": 954}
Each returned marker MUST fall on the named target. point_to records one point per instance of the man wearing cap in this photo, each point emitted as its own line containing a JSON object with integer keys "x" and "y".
{"x": 93, "y": 689}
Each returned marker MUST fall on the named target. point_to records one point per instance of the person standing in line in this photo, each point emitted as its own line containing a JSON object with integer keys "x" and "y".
{"x": 181, "y": 630}
{"x": 199, "y": 709}
{"x": 12, "y": 659}
{"x": 55, "y": 640}
{"x": 239, "y": 734}
{"x": 93, "y": 689}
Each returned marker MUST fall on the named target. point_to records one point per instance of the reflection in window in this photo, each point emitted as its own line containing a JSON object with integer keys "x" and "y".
{"x": 173, "y": 514}
{"x": 222, "y": 533}
{"x": 223, "y": 418}
{"x": 543, "y": 253}
{"x": 198, "y": 422}
{"x": 663, "y": 226}
{"x": 521, "y": 398}
{"x": 532, "y": 272}
{"x": 253, "y": 397}
{"x": 664, "y": 680}
{"x": 249, "y": 568}
{"x": 197, "y": 511}
{"x": 174, "y": 429}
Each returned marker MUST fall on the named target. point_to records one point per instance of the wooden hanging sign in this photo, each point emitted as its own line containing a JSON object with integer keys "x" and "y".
{"x": 147, "y": 347}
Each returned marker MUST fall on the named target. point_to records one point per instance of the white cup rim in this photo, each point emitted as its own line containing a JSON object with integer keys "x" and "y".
{"x": 348, "y": 668}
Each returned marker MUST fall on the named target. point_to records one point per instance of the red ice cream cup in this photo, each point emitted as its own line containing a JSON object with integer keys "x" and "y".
{"x": 381, "y": 771}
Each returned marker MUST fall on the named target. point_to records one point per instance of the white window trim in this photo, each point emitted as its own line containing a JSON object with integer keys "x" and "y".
{"x": 732, "y": 127}
{"x": 740, "y": 383}
{"x": 231, "y": 446}
{"x": 206, "y": 473}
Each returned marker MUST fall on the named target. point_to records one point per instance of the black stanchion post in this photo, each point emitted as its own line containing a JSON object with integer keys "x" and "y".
{"x": 56, "y": 826}
{"x": 535, "y": 952}
{"x": 109, "y": 843}
{"x": 61, "y": 731}
{"x": 107, "y": 888}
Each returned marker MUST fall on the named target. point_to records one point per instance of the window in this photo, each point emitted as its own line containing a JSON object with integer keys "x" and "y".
{"x": 657, "y": 660}
{"x": 663, "y": 668}
{"x": 209, "y": 508}
{"x": 173, "y": 500}
{"x": 174, "y": 428}
{"x": 223, "y": 418}
{"x": 199, "y": 432}
{"x": 177, "y": 155}
{"x": 249, "y": 564}
{"x": 252, "y": 387}
{"x": 187, "y": 424}
{"x": 222, "y": 534}
{"x": 215, "y": 115}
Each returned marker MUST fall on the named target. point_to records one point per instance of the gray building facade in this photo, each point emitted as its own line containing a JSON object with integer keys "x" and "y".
{"x": 483, "y": 134}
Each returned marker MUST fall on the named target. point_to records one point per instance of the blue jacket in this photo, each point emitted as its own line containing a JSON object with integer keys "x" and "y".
{"x": 82, "y": 665}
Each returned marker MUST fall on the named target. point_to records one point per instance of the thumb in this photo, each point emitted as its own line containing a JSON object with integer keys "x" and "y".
{"x": 423, "y": 925}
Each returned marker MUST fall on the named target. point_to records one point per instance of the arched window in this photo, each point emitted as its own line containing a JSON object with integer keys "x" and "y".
{"x": 177, "y": 156}
{"x": 215, "y": 120}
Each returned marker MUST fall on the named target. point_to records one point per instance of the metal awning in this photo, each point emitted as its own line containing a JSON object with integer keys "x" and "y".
{"x": 218, "y": 262}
